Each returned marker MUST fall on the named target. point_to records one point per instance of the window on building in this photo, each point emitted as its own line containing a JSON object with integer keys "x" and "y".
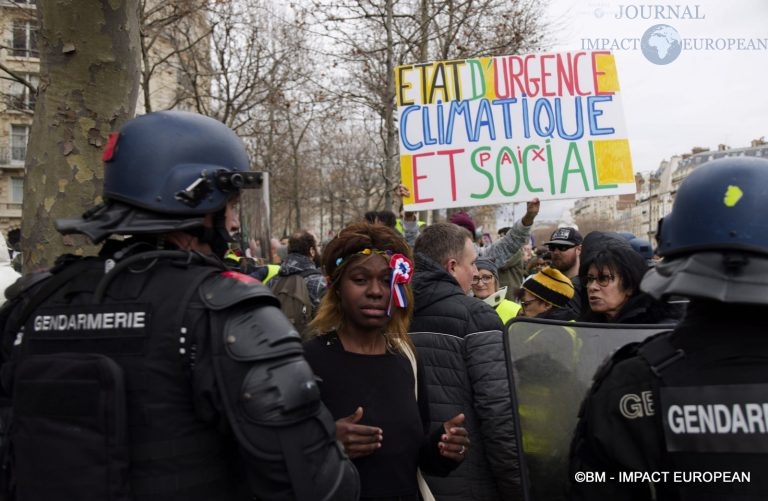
{"x": 19, "y": 138}
{"x": 22, "y": 97}
{"x": 17, "y": 190}
{"x": 24, "y": 41}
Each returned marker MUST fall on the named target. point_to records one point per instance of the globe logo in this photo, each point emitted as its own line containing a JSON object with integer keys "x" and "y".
{"x": 599, "y": 13}
{"x": 661, "y": 44}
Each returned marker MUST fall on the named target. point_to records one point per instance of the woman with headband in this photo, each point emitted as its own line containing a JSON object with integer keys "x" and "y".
{"x": 368, "y": 374}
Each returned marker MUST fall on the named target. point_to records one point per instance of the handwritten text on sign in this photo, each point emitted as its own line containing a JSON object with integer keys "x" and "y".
{"x": 510, "y": 128}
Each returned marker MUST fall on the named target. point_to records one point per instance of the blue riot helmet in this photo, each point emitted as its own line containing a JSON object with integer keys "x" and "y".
{"x": 642, "y": 247}
{"x": 174, "y": 162}
{"x": 719, "y": 206}
{"x": 715, "y": 240}
{"x": 165, "y": 171}
{"x": 626, "y": 235}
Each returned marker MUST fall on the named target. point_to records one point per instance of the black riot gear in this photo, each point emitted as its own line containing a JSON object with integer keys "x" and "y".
{"x": 152, "y": 372}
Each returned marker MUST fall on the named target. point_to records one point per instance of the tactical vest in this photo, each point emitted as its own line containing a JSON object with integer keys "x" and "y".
{"x": 713, "y": 425}
{"x": 101, "y": 381}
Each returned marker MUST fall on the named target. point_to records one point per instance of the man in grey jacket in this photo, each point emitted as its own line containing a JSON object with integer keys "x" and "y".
{"x": 459, "y": 341}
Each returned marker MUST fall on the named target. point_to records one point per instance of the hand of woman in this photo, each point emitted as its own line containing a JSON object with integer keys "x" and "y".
{"x": 358, "y": 440}
{"x": 454, "y": 443}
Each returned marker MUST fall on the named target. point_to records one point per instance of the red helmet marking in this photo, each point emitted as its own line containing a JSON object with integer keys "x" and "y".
{"x": 240, "y": 277}
{"x": 109, "y": 150}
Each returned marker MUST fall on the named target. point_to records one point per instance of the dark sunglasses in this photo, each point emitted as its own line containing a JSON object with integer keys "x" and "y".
{"x": 561, "y": 248}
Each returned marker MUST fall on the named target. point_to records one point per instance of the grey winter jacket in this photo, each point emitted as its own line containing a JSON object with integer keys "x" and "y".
{"x": 458, "y": 339}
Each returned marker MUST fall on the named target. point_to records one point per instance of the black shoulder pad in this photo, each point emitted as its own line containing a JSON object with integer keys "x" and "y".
{"x": 659, "y": 353}
{"x": 229, "y": 288}
{"x": 625, "y": 352}
{"x": 260, "y": 333}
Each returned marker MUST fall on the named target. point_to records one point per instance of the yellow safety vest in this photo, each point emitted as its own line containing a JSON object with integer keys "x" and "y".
{"x": 507, "y": 309}
{"x": 272, "y": 271}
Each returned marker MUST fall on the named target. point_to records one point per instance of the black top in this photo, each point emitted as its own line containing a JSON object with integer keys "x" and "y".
{"x": 383, "y": 385}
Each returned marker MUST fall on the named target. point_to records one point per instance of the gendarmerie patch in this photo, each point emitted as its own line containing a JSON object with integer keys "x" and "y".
{"x": 725, "y": 418}
{"x": 110, "y": 328}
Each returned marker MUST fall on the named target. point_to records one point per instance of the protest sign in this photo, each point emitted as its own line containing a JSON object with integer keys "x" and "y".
{"x": 506, "y": 129}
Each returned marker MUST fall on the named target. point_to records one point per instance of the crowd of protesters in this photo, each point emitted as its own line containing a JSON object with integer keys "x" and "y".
{"x": 444, "y": 341}
{"x": 401, "y": 383}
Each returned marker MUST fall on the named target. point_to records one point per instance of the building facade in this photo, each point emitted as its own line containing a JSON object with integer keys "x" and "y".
{"x": 17, "y": 103}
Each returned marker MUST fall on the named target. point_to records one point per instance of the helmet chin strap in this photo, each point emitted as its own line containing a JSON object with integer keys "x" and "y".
{"x": 218, "y": 236}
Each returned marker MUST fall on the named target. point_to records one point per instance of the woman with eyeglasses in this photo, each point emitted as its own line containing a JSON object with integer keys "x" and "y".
{"x": 546, "y": 295}
{"x": 611, "y": 272}
{"x": 485, "y": 286}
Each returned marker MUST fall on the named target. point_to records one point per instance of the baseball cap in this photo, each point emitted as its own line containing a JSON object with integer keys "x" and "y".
{"x": 565, "y": 236}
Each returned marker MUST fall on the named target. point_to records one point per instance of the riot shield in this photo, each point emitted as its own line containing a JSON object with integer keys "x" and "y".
{"x": 552, "y": 365}
{"x": 255, "y": 231}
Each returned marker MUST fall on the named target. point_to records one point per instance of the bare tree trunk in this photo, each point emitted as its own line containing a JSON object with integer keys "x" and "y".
{"x": 423, "y": 57}
{"x": 391, "y": 144}
{"x": 295, "y": 169}
{"x": 89, "y": 79}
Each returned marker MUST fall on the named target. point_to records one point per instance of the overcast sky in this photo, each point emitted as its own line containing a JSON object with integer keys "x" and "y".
{"x": 703, "y": 98}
